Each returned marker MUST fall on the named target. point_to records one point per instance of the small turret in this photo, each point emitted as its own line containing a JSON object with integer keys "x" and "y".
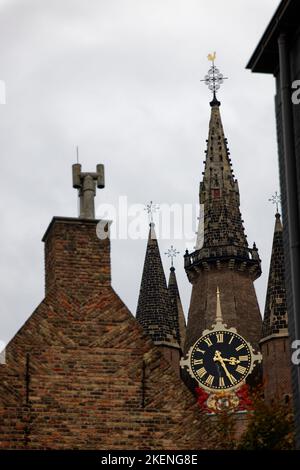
{"x": 275, "y": 344}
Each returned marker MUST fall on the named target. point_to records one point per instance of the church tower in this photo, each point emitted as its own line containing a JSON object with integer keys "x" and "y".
{"x": 275, "y": 345}
{"x": 157, "y": 309}
{"x": 222, "y": 258}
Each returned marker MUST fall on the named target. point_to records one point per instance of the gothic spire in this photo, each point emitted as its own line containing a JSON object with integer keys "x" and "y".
{"x": 275, "y": 317}
{"x": 219, "y": 192}
{"x": 154, "y": 310}
{"x": 221, "y": 235}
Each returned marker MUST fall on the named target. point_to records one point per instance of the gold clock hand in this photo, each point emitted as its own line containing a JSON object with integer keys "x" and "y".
{"x": 218, "y": 357}
{"x": 232, "y": 361}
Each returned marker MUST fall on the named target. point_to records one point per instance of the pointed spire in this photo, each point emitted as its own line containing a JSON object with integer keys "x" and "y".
{"x": 219, "y": 192}
{"x": 221, "y": 234}
{"x": 275, "y": 317}
{"x": 177, "y": 310}
{"x": 219, "y": 318}
{"x": 154, "y": 310}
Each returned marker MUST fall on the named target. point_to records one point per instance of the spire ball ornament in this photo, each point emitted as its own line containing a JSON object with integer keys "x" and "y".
{"x": 213, "y": 79}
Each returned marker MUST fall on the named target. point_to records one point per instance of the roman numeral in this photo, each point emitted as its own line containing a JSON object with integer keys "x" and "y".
{"x": 198, "y": 361}
{"x": 221, "y": 382}
{"x": 231, "y": 339}
{"x": 209, "y": 380}
{"x": 208, "y": 342}
{"x": 241, "y": 346}
{"x": 243, "y": 358}
{"x": 241, "y": 369}
{"x": 220, "y": 337}
{"x": 202, "y": 372}
{"x": 200, "y": 350}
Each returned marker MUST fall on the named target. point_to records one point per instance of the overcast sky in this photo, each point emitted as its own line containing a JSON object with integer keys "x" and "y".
{"x": 121, "y": 79}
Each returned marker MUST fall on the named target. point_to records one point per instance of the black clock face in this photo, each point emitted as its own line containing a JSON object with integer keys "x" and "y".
{"x": 220, "y": 360}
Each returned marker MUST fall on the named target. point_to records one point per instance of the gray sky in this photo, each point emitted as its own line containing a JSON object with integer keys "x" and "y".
{"x": 121, "y": 79}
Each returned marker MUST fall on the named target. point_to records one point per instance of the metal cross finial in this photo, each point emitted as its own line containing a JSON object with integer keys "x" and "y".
{"x": 276, "y": 199}
{"x": 151, "y": 208}
{"x": 214, "y": 78}
{"x": 172, "y": 253}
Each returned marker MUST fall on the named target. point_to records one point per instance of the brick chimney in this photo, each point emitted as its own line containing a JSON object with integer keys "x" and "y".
{"x": 75, "y": 258}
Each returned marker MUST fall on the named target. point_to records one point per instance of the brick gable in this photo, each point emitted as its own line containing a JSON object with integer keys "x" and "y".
{"x": 82, "y": 374}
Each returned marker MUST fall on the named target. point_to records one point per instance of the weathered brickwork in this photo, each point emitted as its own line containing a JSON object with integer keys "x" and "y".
{"x": 71, "y": 262}
{"x": 238, "y": 299}
{"x": 81, "y": 373}
{"x": 277, "y": 369}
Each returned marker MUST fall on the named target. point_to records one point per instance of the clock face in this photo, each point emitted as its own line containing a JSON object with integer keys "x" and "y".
{"x": 220, "y": 360}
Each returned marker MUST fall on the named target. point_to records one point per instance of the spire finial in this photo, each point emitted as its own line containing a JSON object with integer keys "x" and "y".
{"x": 213, "y": 79}
{"x": 275, "y": 199}
{"x": 151, "y": 208}
{"x": 219, "y": 318}
{"x": 172, "y": 253}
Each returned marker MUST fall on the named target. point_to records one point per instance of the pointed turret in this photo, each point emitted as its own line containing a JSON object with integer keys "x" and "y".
{"x": 177, "y": 309}
{"x": 275, "y": 317}
{"x": 154, "y": 310}
{"x": 275, "y": 345}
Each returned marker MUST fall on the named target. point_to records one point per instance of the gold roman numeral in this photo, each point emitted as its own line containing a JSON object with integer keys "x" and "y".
{"x": 220, "y": 337}
{"x": 241, "y": 369}
{"x": 221, "y": 382}
{"x": 200, "y": 350}
{"x": 208, "y": 342}
{"x": 209, "y": 380}
{"x": 198, "y": 361}
{"x": 202, "y": 372}
{"x": 231, "y": 339}
{"x": 243, "y": 358}
{"x": 241, "y": 346}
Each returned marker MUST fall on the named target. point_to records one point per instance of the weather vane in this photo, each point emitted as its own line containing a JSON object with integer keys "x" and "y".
{"x": 151, "y": 208}
{"x": 172, "y": 253}
{"x": 214, "y": 77}
{"x": 276, "y": 199}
